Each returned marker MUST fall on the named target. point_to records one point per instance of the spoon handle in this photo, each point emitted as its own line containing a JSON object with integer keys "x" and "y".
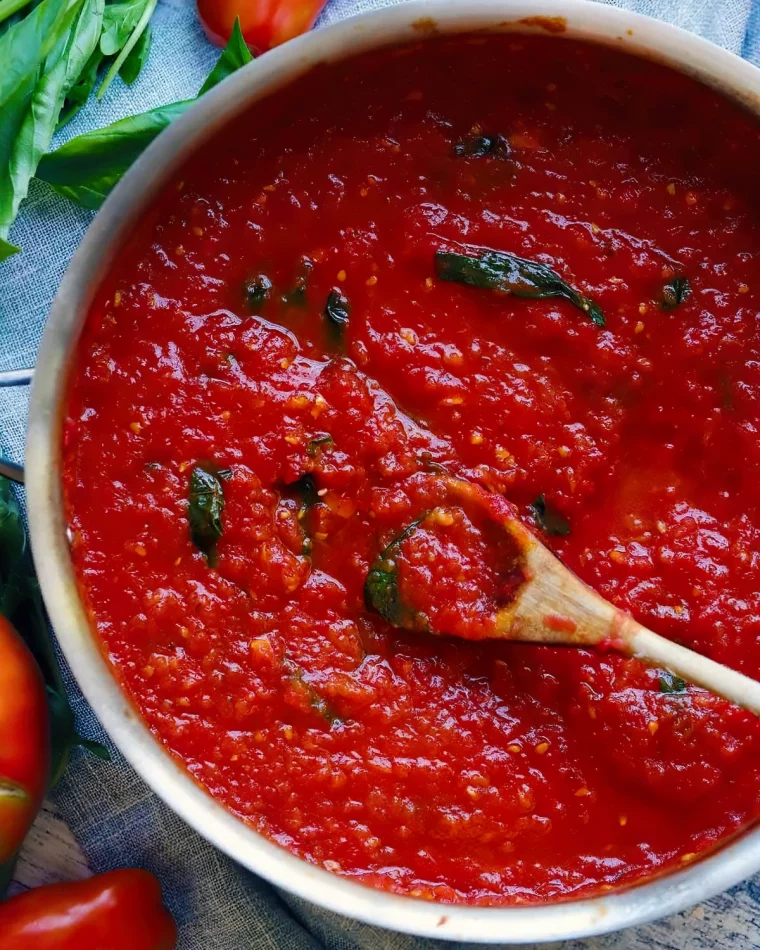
{"x": 555, "y": 606}
{"x": 693, "y": 667}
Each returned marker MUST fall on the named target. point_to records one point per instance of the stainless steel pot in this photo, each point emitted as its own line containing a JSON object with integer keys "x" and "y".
{"x": 580, "y": 19}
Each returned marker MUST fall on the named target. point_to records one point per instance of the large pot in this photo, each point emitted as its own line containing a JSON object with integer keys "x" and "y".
{"x": 580, "y": 19}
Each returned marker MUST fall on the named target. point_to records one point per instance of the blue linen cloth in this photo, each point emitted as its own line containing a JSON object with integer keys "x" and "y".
{"x": 115, "y": 817}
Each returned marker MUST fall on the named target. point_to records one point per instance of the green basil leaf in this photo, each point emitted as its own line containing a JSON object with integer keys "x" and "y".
{"x": 43, "y": 56}
{"x": 148, "y": 8}
{"x": 499, "y": 270}
{"x": 672, "y": 684}
{"x": 234, "y": 55}
{"x": 306, "y": 489}
{"x": 134, "y": 63}
{"x": 7, "y": 250}
{"x": 319, "y": 442}
{"x": 119, "y": 21}
{"x": 675, "y": 292}
{"x": 80, "y": 91}
{"x": 336, "y": 312}
{"x": 483, "y": 146}
{"x": 87, "y": 167}
{"x": 306, "y": 495}
{"x": 548, "y": 519}
{"x": 205, "y": 510}
{"x": 318, "y": 703}
{"x": 10, "y": 11}
{"x": 381, "y": 591}
{"x": 256, "y": 291}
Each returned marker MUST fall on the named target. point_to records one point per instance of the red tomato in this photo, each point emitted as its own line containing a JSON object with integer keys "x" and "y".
{"x": 265, "y": 23}
{"x": 24, "y": 740}
{"x": 121, "y": 910}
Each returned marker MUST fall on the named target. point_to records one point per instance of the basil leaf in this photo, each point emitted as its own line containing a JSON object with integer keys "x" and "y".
{"x": 7, "y": 250}
{"x": 483, "y": 146}
{"x": 21, "y": 603}
{"x": 87, "y": 167}
{"x": 675, "y": 292}
{"x": 256, "y": 291}
{"x": 43, "y": 56}
{"x": 306, "y": 489}
{"x": 314, "y": 445}
{"x": 672, "y": 684}
{"x": 381, "y": 591}
{"x": 234, "y": 55}
{"x": 119, "y": 21}
{"x": 134, "y": 63}
{"x": 10, "y": 12}
{"x": 428, "y": 464}
{"x": 336, "y": 312}
{"x": 548, "y": 519}
{"x": 80, "y": 91}
{"x": 205, "y": 510}
{"x": 305, "y": 493}
{"x": 318, "y": 703}
{"x": 499, "y": 270}
{"x": 148, "y": 8}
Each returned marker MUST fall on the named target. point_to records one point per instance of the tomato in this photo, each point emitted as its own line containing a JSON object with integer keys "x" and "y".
{"x": 265, "y": 23}
{"x": 120, "y": 910}
{"x": 24, "y": 740}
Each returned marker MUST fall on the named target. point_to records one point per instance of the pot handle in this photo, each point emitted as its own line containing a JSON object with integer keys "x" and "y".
{"x": 14, "y": 377}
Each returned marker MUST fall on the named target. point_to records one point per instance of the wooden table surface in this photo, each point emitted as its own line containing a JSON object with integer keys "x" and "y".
{"x": 50, "y": 853}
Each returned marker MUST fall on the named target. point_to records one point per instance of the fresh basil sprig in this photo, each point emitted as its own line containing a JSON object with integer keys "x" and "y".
{"x": 50, "y": 57}
{"x": 42, "y": 57}
{"x": 87, "y": 167}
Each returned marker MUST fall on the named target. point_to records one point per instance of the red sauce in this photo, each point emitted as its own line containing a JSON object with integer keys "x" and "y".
{"x": 473, "y": 772}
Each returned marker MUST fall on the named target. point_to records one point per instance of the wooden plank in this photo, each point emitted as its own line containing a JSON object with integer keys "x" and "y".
{"x": 50, "y": 853}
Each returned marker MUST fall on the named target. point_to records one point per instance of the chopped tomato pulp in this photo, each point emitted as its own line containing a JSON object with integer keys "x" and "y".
{"x": 278, "y": 324}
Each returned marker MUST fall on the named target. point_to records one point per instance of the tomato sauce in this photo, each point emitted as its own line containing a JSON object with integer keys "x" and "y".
{"x": 273, "y": 377}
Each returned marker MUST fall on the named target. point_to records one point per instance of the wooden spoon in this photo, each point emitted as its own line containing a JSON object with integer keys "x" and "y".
{"x": 553, "y": 606}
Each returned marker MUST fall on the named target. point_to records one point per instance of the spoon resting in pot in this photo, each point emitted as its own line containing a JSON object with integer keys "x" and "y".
{"x": 541, "y": 601}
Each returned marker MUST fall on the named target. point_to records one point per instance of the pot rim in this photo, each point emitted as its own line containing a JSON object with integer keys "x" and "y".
{"x": 580, "y": 19}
